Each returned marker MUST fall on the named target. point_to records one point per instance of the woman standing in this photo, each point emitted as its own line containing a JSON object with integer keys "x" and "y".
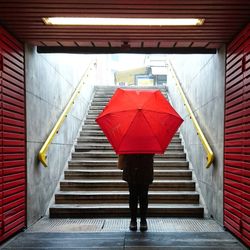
{"x": 138, "y": 173}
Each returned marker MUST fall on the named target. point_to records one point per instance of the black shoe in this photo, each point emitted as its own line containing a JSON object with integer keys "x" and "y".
{"x": 143, "y": 226}
{"x": 133, "y": 225}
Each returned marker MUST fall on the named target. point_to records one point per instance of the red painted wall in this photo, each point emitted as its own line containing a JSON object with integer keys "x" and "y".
{"x": 237, "y": 137}
{"x": 12, "y": 137}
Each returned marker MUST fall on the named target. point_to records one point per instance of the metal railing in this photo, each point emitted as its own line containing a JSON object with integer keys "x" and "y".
{"x": 207, "y": 148}
{"x": 42, "y": 156}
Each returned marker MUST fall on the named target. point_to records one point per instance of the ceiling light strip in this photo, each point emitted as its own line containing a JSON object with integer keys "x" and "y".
{"x": 123, "y": 21}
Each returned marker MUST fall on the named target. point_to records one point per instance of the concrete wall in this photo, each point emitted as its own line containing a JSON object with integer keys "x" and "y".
{"x": 203, "y": 81}
{"x": 105, "y": 71}
{"x": 50, "y": 82}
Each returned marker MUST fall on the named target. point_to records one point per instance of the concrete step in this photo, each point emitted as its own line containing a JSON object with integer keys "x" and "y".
{"x": 97, "y": 133}
{"x": 103, "y": 139}
{"x": 93, "y": 104}
{"x": 111, "y": 154}
{"x": 96, "y": 109}
{"x": 122, "y": 210}
{"x": 95, "y": 127}
{"x": 108, "y": 94}
{"x": 105, "y": 96}
{"x": 91, "y": 119}
{"x": 101, "y": 90}
{"x": 100, "y": 167}
{"x": 167, "y": 164}
{"x": 94, "y": 112}
{"x": 159, "y": 174}
{"x": 99, "y": 108}
{"x": 112, "y": 184}
{"x": 95, "y": 197}
{"x": 101, "y": 98}
{"x": 105, "y": 89}
{"x": 91, "y": 132}
{"x": 88, "y": 146}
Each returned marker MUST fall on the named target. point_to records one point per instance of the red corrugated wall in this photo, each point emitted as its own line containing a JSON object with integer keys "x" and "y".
{"x": 12, "y": 136}
{"x": 237, "y": 137}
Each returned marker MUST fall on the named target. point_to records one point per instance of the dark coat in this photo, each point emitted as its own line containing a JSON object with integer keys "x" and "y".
{"x": 138, "y": 168}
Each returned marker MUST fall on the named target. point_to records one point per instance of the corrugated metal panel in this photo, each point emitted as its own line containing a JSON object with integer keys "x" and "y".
{"x": 12, "y": 137}
{"x": 1, "y": 143}
{"x": 237, "y": 134}
{"x": 223, "y": 19}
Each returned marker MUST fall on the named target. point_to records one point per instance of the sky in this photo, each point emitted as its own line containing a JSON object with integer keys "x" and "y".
{"x": 127, "y": 61}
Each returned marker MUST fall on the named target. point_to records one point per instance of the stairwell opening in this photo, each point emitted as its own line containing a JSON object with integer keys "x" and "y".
{"x": 88, "y": 183}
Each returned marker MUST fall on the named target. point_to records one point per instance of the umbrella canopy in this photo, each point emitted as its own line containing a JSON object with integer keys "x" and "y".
{"x": 139, "y": 121}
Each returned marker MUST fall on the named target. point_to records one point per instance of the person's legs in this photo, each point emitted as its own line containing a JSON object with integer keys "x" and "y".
{"x": 133, "y": 203}
{"x": 143, "y": 198}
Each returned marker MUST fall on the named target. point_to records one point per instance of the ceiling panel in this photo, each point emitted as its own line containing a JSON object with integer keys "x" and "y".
{"x": 223, "y": 20}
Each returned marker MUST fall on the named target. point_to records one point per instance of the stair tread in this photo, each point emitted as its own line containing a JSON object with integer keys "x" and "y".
{"x": 125, "y": 193}
{"x": 112, "y": 181}
{"x": 104, "y": 137}
{"x": 163, "y": 163}
{"x": 100, "y": 131}
{"x": 125, "y": 205}
{"x": 108, "y": 144}
{"x": 111, "y": 152}
{"x": 119, "y": 171}
{"x": 115, "y": 161}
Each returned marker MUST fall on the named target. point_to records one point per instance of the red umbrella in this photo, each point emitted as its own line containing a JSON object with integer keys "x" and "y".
{"x": 139, "y": 121}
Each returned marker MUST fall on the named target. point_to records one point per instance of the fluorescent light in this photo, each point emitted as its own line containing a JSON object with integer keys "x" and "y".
{"x": 122, "y": 21}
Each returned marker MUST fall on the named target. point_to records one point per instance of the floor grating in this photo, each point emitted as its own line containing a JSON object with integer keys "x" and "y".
{"x": 121, "y": 225}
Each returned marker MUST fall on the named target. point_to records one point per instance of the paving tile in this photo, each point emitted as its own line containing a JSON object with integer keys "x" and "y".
{"x": 125, "y": 240}
{"x": 219, "y": 240}
{"x": 67, "y": 241}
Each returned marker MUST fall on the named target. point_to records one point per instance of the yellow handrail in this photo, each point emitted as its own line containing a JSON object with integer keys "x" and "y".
{"x": 42, "y": 156}
{"x": 209, "y": 152}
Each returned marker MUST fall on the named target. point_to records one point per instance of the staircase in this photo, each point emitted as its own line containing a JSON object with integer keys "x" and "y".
{"x": 93, "y": 186}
